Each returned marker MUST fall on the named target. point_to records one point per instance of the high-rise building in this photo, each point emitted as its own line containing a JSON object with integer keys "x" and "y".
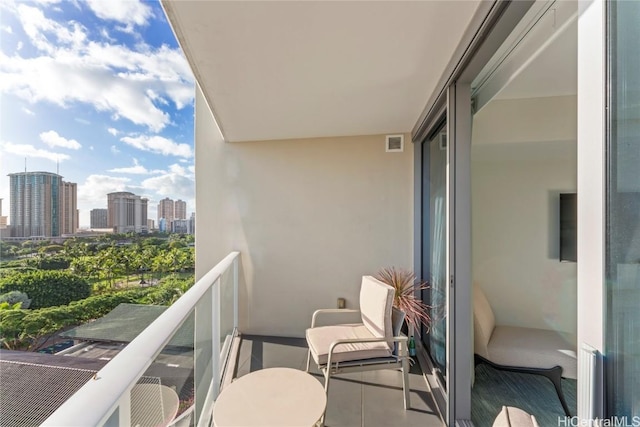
{"x": 180, "y": 226}
{"x": 126, "y": 212}
{"x": 69, "y": 207}
{"x": 98, "y": 218}
{"x": 3, "y": 218}
{"x": 4, "y": 229}
{"x": 180, "y": 209}
{"x": 151, "y": 224}
{"x": 192, "y": 223}
{"x": 165, "y": 210}
{"x": 35, "y": 204}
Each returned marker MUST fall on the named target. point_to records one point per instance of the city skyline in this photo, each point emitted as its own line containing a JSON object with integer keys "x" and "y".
{"x": 101, "y": 95}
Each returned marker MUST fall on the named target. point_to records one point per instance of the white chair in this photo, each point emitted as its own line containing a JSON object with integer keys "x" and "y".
{"x": 525, "y": 350}
{"x": 362, "y": 346}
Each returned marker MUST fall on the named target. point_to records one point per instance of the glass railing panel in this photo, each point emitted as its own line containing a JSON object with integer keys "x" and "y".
{"x": 166, "y": 391}
{"x": 226, "y": 312}
{"x": 203, "y": 368}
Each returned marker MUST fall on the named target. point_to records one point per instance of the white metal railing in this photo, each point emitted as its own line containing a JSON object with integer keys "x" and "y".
{"x": 106, "y": 399}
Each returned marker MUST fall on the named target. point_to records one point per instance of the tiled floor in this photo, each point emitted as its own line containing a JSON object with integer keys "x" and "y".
{"x": 371, "y": 399}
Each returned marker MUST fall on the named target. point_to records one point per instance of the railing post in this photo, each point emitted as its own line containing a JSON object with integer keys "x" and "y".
{"x": 235, "y": 294}
{"x": 215, "y": 301}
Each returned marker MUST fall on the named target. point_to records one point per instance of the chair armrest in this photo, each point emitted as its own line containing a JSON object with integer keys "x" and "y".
{"x": 317, "y": 313}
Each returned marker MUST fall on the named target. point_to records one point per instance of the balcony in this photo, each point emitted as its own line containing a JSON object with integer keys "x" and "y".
{"x": 131, "y": 389}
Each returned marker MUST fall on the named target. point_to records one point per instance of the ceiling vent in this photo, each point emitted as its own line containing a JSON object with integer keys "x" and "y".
{"x": 395, "y": 143}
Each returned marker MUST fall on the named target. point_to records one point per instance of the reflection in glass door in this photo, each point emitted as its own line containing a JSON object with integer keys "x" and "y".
{"x": 434, "y": 251}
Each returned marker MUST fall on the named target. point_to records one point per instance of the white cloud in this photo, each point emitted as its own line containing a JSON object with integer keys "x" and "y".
{"x": 82, "y": 121}
{"x": 136, "y": 169}
{"x": 128, "y": 12}
{"x": 37, "y": 27}
{"x": 158, "y": 144}
{"x": 19, "y": 46}
{"x": 46, "y": 79}
{"x": 115, "y": 150}
{"x": 27, "y": 150}
{"x": 127, "y": 83}
{"x": 171, "y": 185}
{"x": 178, "y": 183}
{"x": 52, "y": 139}
{"x": 113, "y": 131}
{"x": 47, "y": 2}
{"x": 7, "y": 29}
{"x": 105, "y": 35}
{"x": 27, "y": 111}
{"x": 93, "y": 192}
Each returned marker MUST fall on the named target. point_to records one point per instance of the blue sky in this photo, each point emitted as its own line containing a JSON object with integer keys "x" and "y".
{"x": 102, "y": 87}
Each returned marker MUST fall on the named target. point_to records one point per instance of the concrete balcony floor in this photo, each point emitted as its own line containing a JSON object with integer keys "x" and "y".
{"x": 371, "y": 399}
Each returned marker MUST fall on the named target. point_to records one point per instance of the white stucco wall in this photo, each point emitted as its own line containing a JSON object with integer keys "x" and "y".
{"x": 517, "y": 177}
{"x": 310, "y": 217}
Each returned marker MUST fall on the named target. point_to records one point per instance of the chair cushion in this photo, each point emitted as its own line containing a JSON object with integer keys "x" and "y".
{"x": 514, "y": 417}
{"x": 320, "y": 339}
{"x": 376, "y": 300}
{"x": 483, "y": 322}
{"x": 533, "y": 348}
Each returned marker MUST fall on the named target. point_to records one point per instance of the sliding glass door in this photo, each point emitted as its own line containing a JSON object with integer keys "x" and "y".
{"x": 623, "y": 214}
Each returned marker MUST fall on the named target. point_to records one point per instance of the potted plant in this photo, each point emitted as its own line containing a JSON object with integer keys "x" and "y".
{"x": 406, "y": 305}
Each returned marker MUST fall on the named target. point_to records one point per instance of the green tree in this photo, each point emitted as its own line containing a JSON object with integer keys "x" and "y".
{"x": 28, "y": 329}
{"x": 47, "y": 288}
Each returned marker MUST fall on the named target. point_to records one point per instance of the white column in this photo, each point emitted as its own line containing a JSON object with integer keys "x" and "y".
{"x": 591, "y": 180}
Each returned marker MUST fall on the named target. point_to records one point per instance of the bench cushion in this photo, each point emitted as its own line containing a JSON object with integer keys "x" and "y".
{"x": 533, "y": 348}
{"x": 483, "y": 322}
{"x": 514, "y": 417}
{"x": 320, "y": 340}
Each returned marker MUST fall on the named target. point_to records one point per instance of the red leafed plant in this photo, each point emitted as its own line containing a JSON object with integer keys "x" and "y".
{"x": 406, "y": 284}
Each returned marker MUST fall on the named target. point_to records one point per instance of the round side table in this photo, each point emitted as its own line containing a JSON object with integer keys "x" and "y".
{"x": 271, "y": 397}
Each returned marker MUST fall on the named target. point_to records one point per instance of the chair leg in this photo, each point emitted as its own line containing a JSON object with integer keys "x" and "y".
{"x": 327, "y": 375}
{"x": 405, "y": 383}
{"x": 308, "y": 360}
{"x": 555, "y": 376}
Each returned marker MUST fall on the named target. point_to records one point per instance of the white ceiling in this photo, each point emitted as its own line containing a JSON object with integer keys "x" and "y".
{"x": 279, "y": 70}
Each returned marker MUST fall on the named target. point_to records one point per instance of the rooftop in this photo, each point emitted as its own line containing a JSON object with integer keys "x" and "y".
{"x": 125, "y": 322}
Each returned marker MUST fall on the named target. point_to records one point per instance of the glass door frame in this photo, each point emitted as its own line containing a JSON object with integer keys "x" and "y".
{"x": 454, "y": 396}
